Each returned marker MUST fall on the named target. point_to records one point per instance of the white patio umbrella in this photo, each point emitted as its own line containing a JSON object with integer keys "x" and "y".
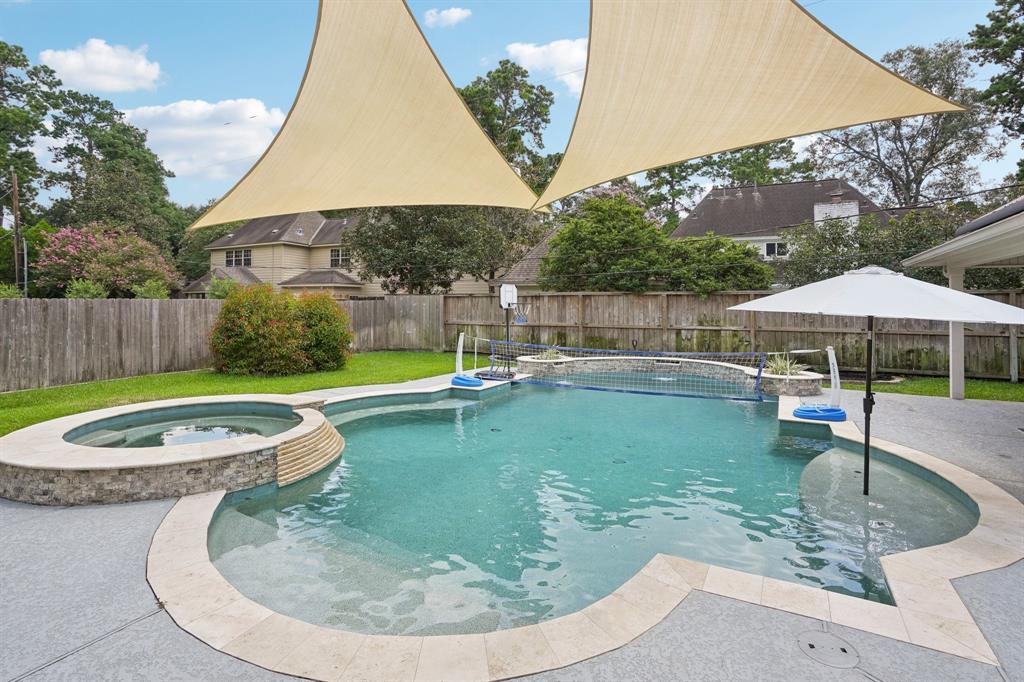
{"x": 877, "y": 292}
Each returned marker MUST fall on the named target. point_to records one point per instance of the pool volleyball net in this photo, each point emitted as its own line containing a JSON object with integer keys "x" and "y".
{"x": 734, "y": 376}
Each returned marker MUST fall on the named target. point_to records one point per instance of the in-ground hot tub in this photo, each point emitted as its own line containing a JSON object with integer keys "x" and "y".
{"x": 185, "y": 425}
{"x": 168, "y": 448}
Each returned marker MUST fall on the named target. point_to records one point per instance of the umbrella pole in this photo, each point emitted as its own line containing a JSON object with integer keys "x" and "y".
{"x": 869, "y": 403}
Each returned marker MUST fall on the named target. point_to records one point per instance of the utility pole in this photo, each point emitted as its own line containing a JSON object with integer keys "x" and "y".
{"x": 17, "y": 227}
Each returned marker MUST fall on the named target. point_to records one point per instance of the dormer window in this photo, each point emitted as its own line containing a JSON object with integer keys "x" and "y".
{"x": 340, "y": 259}
{"x": 234, "y": 258}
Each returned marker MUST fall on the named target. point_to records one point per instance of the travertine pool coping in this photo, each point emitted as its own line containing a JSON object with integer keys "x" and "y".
{"x": 929, "y": 612}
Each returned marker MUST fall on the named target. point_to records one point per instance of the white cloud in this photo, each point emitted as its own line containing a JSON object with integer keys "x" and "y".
{"x": 442, "y": 18}
{"x": 563, "y": 59}
{"x": 211, "y": 141}
{"x": 100, "y": 67}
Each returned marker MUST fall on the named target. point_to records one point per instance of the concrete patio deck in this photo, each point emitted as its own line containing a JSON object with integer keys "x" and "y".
{"x": 75, "y": 604}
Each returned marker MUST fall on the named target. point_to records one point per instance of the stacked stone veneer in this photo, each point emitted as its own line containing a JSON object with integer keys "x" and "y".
{"x": 306, "y": 451}
{"x": 131, "y": 484}
{"x": 802, "y": 384}
{"x": 806, "y": 383}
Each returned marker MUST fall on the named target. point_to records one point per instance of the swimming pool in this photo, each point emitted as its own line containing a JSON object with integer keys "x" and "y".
{"x": 463, "y": 516}
{"x": 185, "y": 425}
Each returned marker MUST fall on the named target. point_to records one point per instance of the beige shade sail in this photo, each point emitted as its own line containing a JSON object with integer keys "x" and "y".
{"x": 673, "y": 80}
{"x": 376, "y": 123}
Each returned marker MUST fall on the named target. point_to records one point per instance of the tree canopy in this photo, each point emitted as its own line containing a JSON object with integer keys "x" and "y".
{"x": 608, "y": 244}
{"x": 1001, "y": 42}
{"x": 426, "y": 249}
{"x": 923, "y": 158}
{"x": 514, "y": 113}
{"x": 25, "y": 93}
{"x": 827, "y": 249}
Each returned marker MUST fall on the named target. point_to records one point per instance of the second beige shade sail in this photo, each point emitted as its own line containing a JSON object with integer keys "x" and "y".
{"x": 671, "y": 80}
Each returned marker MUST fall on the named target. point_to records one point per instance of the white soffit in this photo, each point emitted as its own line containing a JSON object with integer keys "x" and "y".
{"x": 376, "y": 122}
{"x": 671, "y": 80}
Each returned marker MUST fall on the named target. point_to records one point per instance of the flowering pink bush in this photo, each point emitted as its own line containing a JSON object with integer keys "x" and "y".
{"x": 112, "y": 258}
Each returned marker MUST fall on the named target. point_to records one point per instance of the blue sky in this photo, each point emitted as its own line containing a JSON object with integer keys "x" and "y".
{"x": 212, "y": 81}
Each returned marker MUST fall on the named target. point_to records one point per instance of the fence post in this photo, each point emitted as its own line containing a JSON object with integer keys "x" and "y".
{"x": 579, "y": 328}
{"x": 442, "y": 338}
{"x": 1014, "y": 352}
{"x": 665, "y": 340}
{"x": 752, "y": 324}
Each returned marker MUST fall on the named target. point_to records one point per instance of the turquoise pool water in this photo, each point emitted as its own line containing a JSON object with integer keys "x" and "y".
{"x": 462, "y": 516}
{"x": 185, "y": 425}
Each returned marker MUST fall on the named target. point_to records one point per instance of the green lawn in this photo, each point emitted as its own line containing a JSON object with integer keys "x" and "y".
{"x": 980, "y": 389}
{"x": 22, "y": 408}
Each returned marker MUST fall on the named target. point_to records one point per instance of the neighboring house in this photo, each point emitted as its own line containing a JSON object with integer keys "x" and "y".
{"x": 297, "y": 253}
{"x": 760, "y": 214}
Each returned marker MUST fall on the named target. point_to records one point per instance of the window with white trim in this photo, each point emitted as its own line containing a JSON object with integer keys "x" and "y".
{"x": 775, "y": 250}
{"x": 238, "y": 257}
{"x": 341, "y": 259}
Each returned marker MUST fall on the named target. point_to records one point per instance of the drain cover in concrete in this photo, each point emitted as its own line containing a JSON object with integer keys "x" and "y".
{"x": 828, "y": 649}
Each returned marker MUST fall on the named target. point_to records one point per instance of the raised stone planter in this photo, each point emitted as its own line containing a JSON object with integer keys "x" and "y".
{"x": 801, "y": 384}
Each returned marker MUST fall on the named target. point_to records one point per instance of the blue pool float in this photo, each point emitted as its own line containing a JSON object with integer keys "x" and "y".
{"x": 821, "y": 413}
{"x": 466, "y": 381}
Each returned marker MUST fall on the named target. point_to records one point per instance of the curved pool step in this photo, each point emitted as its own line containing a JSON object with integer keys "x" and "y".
{"x": 308, "y": 454}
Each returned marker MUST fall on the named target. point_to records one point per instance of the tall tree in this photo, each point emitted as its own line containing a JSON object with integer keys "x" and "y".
{"x": 25, "y": 94}
{"x": 607, "y": 244}
{"x": 673, "y": 190}
{"x": 764, "y": 164}
{"x": 504, "y": 236}
{"x": 907, "y": 161}
{"x": 514, "y": 112}
{"x": 108, "y": 173}
{"x": 426, "y": 249}
{"x": 1001, "y": 42}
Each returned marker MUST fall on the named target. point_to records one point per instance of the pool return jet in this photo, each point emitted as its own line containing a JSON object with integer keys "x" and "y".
{"x": 874, "y": 291}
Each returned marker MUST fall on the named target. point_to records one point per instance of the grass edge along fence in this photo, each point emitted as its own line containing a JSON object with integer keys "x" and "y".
{"x": 54, "y": 342}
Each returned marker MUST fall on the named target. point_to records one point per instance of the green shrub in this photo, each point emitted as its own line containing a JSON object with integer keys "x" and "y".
{"x": 221, "y": 287}
{"x": 84, "y": 288}
{"x": 151, "y": 288}
{"x": 259, "y": 331}
{"x": 9, "y": 291}
{"x": 328, "y": 336}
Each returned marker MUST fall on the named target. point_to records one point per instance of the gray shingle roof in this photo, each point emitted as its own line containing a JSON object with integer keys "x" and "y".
{"x": 323, "y": 277}
{"x": 765, "y": 209}
{"x": 242, "y": 275}
{"x": 304, "y": 229}
{"x": 527, "y": 270}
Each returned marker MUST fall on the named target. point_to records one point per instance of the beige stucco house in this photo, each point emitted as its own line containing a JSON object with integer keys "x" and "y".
{"x": 297, "y": 253}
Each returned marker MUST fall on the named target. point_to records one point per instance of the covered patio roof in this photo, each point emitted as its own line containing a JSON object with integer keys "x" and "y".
{"x": 995, "y": 240}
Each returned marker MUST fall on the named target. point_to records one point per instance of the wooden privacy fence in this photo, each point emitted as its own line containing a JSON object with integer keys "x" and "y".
{"x": 685, "y": 322}
{"x": 50, "y": 342}
{"x": 397, "y": 323}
